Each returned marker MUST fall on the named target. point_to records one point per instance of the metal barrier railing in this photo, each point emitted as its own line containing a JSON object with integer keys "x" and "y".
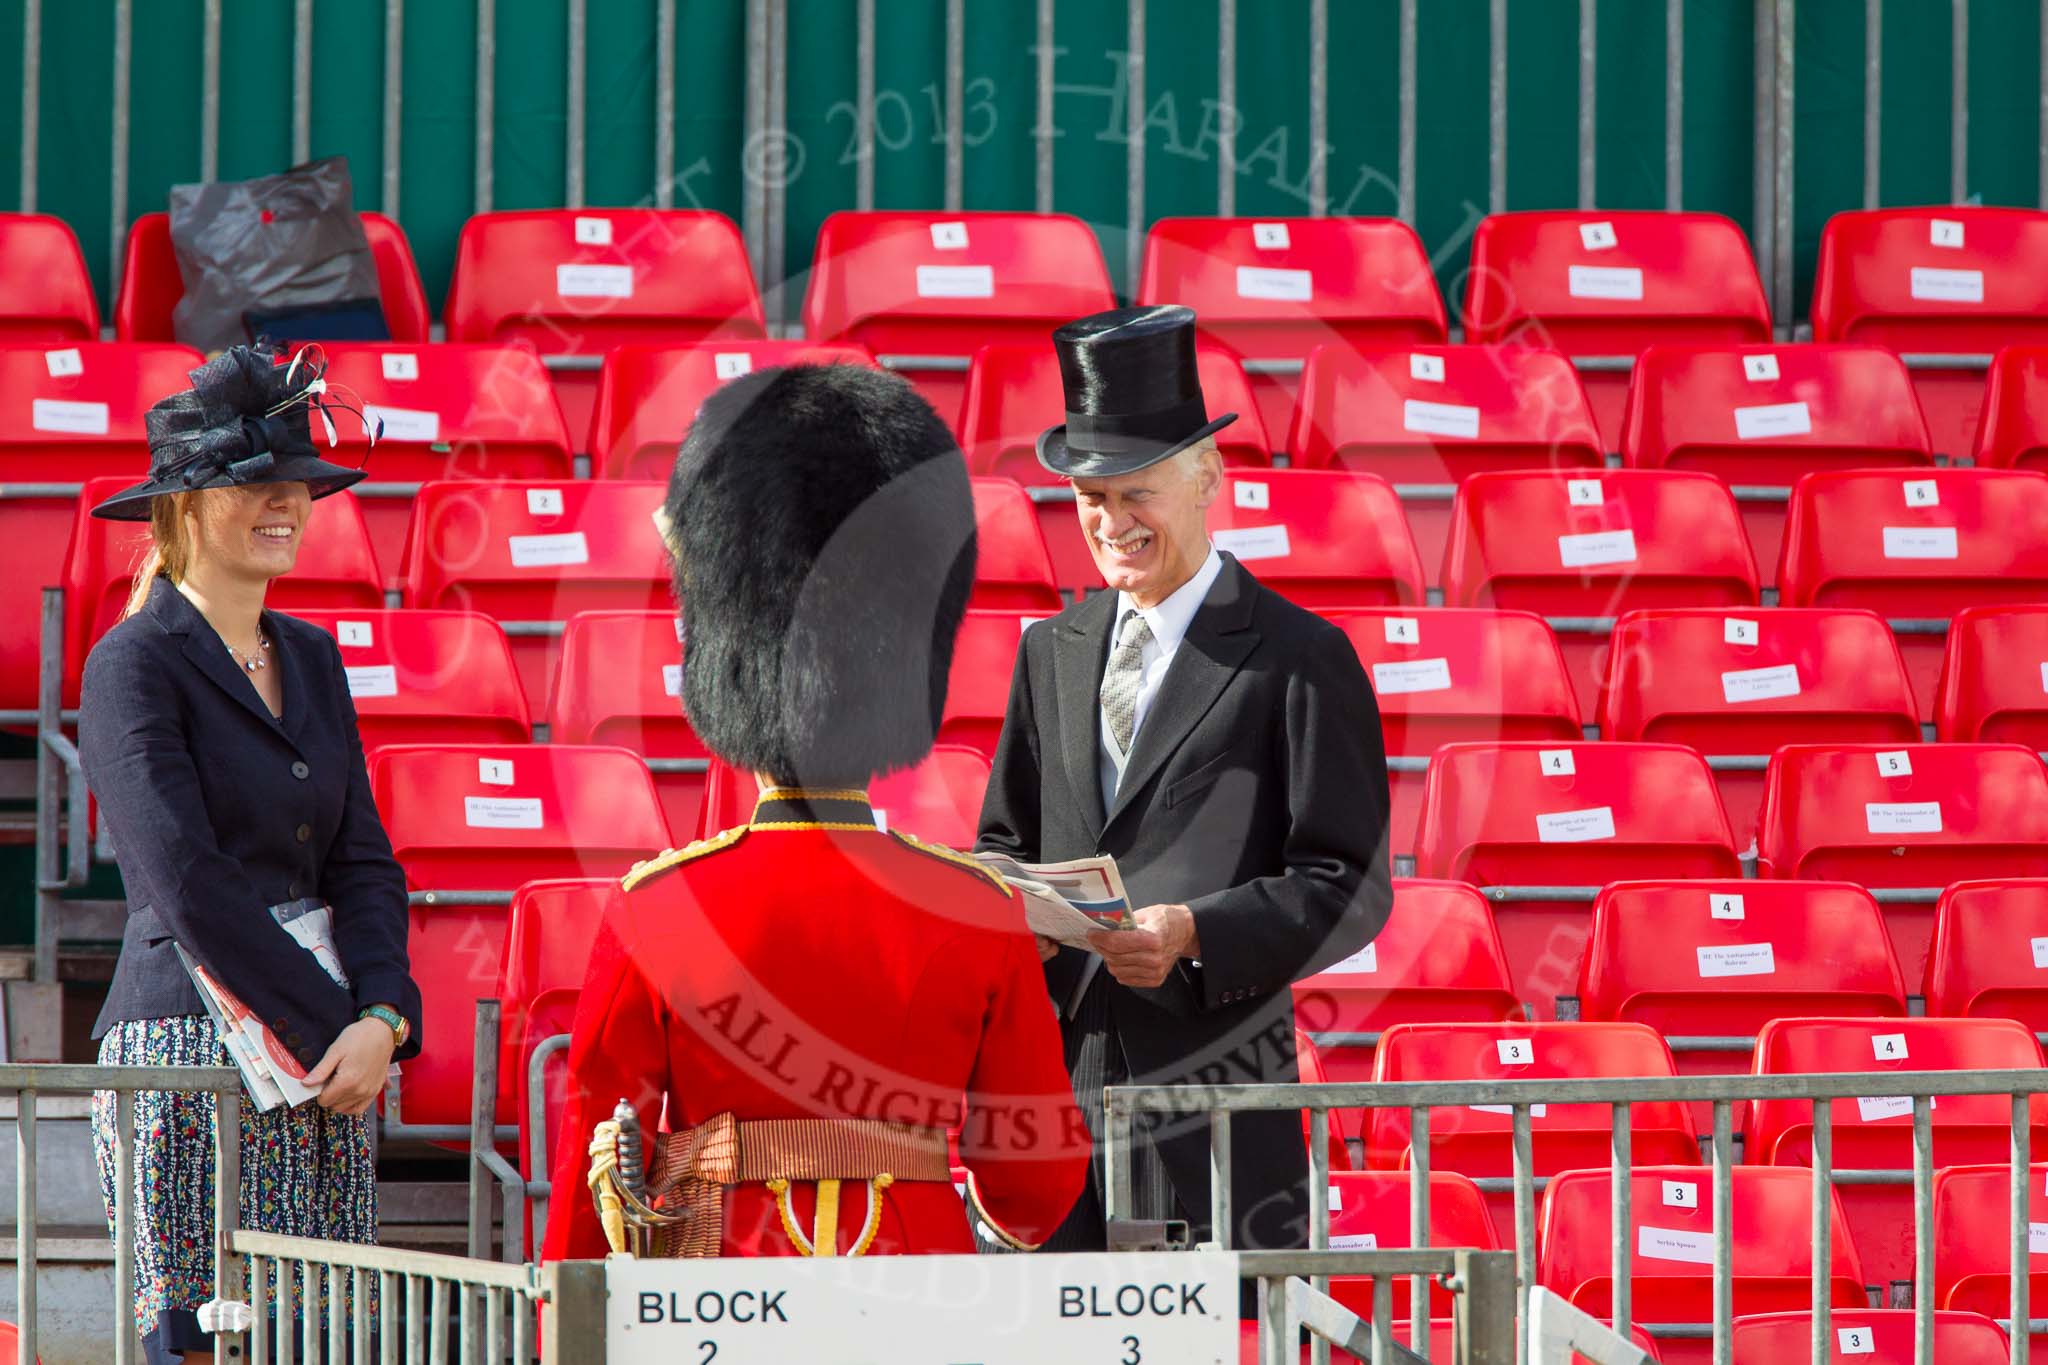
{"x": 25, "y": 1083}
{"x": 1420, "y": 1098}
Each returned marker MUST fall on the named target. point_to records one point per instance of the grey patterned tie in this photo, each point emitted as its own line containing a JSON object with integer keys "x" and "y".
{"x": 1120, "y": 682}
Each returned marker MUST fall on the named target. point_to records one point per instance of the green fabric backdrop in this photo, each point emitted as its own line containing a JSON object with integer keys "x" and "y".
{"x": 437, "y": 143}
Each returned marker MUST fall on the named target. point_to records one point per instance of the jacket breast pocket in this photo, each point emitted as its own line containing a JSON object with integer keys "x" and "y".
{"x": 1185, "y": 789}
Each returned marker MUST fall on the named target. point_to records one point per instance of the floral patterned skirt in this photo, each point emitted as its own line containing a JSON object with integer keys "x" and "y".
{"x": 306, "y": 1172}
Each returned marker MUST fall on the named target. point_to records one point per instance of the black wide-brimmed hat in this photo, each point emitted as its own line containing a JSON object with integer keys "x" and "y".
{"x": 246, "y": 419}
{"x": 1133, "y": 396}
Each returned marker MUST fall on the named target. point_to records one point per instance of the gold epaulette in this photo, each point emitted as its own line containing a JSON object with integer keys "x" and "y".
{"x": 957, "y": 859}
{"x": 675, "y": 857}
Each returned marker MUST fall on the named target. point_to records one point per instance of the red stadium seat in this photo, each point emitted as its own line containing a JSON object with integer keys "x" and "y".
{"x": 428, "y": 677}
{"x": 74, "y": 413}
{"x": 1951, "y": 280}
{"x": 620, "y": 682}
{"x": 1529, "y": 814}
{"x": 1585, "y": 549}
{"x": 1917, "y": 545}
{"x": 1921, "y": 815}
{"x": 1309, "y": 1064}
{"x": 1989, "y": 950}
{"x": 1722, "y": 958}
{"x": 1765, "y": 415}
{"x": 1671, "y": 1272}
{"x": 1739, "y": 685}
{"x": 1877, "y": 1133}
{"x": 1868, "y": 1336}
{"x": 1476, "y": 1140}
{"x": 1369, "y": 1212}
{"x": 1437, "y": 960}
{"x": 577, "y": 282}
{"x": 487, "y": 817}
{"x": 1973, "y": 1241}
{"x": 10, "y": 1344}
{"x": 336, "y": 568}
{"x": 547, "y": 954}
{"x": 151, "y": 284}
{"x": 1012, "y": 570}
{"x": 647, "y": 396}
{"x": 1447, "y": 674}
{"x": 450, "y": 411}
{"x": 2011, "y": 432}
{"x": 537, "y": 552}
{"x": 917, "y": 287}
{"x": 938, "y": 799}
{"x": 1994, "y": 677}
{"x": 49, "y": 296}
{"x": 978, "y": 688}
{"x": 1014, "y": 393}
{"x": 1325, "y": 539}
{"x": 1272, "y": 290}
{"x": 1591, "y": 282}
{"x": 1431, "y": 415}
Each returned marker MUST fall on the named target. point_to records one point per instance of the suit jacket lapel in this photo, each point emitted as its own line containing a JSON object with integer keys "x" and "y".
{"x": 204, "y": 648}
{"x": 1079, "y": 652}
{"x": 294, "y": 681}
{"x": 1218, "y": 639}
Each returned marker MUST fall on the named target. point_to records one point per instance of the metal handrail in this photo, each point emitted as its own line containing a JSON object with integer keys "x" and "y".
{"x": 1219, "y": 1102}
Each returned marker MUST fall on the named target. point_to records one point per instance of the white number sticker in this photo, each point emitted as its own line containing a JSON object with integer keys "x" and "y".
{"x": 1252, "y": 493}
{"x": 593, "y": 231}
{"x": 1724, "y": 905}
{"x": 949, "y": 236}
{"x": 544, "y": 502}
{"x": 1855, "y": 1341}
{"x": 2040, "y": 950}
{"x": 1895, "y": 763}
{"x": 1888, "y": 1047}
{"x": 1557, "y": 762}
{"x": 496, "y": 772}
{"x": 354, "y": 634}
{"x": 1736, "y": 631}
{"x": 65, "y": 363}
{"x": 1407, "y": 630}
{"x": 1271, "y": 236}
{"x": 400, "y": 366}
{"x": 1681, "y": 1194}
{"x": 1598, "y": 236}
{"x": 1945, "y": 232}
{"x": 731, "y": 364}
{"x": 1427, "y": 368}
{"x": 1760, "y": 367}
{"x": 1515, "y": 1051}
{"x": 672, "y": 680}
{"x": 1583, "y": 492}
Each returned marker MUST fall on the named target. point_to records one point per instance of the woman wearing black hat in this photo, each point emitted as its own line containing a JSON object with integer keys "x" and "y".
{"x": 220, "y": 743}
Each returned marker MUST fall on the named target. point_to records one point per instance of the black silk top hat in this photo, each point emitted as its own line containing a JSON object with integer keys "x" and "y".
{"x": 246, "y": 419}
{"x": 1133, "y": 396}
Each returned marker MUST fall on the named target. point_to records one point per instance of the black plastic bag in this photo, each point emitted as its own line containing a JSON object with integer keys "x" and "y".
{"x": 283, "y": 254}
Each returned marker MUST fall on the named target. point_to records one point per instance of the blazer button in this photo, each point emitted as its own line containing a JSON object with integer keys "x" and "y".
{"x": 303, "y": 833}
{"x": 300, "y": 770}
{"x": 292, "y": 890}
{"x": 305, "y": 1055}
{"x": 291, "y": 1040}
{"x": 280, "y": 1024}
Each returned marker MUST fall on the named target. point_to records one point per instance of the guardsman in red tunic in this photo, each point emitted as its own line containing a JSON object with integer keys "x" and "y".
{"x": 804, "y": 1006}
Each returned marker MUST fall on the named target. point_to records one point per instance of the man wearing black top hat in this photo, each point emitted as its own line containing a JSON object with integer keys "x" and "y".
{"x": 1223, "y": 744}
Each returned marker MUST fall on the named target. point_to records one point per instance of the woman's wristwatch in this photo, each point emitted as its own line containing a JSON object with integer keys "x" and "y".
{"x": 392, "y": 1019}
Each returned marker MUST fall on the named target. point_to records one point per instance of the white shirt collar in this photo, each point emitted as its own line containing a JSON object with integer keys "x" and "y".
{"x": 1169, "y": 621}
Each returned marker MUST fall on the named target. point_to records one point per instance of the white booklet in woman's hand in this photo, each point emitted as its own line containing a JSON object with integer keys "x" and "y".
{"x": 1067, "y": 901}
{"x": 271, "y": 1074}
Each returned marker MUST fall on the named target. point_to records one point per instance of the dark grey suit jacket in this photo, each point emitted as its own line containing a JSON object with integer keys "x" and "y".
{"x": 218, "y": 810}
{"x": 1256, "y": 794}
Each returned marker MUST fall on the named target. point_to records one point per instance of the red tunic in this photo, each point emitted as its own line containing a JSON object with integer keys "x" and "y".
{"x": 808, "y": 966}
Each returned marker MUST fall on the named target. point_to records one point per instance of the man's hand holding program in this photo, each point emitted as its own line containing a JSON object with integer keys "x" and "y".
{"x": 1141, "y": 957}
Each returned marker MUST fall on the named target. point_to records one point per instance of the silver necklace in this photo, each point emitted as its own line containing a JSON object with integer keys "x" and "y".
{"x": 252, "y": 662}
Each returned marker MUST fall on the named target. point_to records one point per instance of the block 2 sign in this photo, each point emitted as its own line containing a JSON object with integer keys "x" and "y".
{"x": 1100, "y": 1309}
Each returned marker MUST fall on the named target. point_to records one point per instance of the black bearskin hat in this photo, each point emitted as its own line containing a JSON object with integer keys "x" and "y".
{"x": 823, "y": 530}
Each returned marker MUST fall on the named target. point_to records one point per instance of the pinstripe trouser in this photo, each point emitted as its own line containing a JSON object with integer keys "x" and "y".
{"x": 1095, "y": 1058}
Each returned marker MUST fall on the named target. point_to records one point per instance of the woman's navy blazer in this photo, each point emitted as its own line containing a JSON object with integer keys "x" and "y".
{"x": 219, "y": 811}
